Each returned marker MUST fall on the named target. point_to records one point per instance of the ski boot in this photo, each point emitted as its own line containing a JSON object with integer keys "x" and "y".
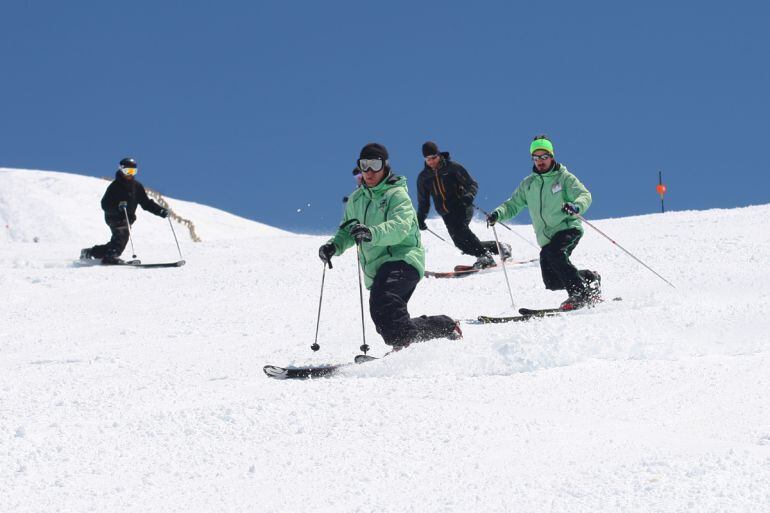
{"x": 484, "y": 261}
{"x": 457, "y": 333}
{"x": 85, "y": 254}
{"x": 505, "y": 251}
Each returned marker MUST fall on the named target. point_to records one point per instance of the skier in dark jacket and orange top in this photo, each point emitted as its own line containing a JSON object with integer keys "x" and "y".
{"x": 119, "y": 203}
{"x": 453, "y": 190}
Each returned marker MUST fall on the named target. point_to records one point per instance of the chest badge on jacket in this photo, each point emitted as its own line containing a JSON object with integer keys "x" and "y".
{"x": 383, "y": 205}
{"x": 556, "y": 188}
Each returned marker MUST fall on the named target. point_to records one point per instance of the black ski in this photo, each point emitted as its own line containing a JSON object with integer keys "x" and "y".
{"x": 312, "y": 371}
{"x": 529, "y": 314}
{"x": 485, "y": 319}
{"x": 94, "y": 263}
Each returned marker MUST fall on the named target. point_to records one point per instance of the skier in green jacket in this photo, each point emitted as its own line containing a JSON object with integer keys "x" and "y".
{"x": 380, "y": 218}
{"x": 554, "y": 196}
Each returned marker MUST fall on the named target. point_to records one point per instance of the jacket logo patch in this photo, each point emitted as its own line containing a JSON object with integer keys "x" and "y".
{"x": 556, "y": 188}
{"x": 383, "y": 205}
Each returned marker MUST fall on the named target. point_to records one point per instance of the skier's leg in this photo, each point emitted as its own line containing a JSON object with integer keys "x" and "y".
{"x": 118, "y": 242}
{"x": 393, "y": 286}
{"x": 464, "y": 239}
{"x": 558, "y": 272}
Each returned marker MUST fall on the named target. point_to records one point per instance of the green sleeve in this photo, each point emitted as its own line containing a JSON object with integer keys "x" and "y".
{"x": 400, "y": 220}
{"x": 577, "y": 193}
{"x": 512, "y": 207}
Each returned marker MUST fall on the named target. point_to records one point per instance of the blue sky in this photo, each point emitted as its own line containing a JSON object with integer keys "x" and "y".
{"x": 261, "y": 108}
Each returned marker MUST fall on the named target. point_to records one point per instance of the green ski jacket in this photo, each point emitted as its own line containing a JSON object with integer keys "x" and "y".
{"x": 545, "y": 194}
{"x": 387, "y": 211}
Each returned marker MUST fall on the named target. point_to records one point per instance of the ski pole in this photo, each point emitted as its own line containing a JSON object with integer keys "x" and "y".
{"x": 175, "y": 239}
{"x": 624, "y": 249}
{"x": 506, "y": 226}
{"x": 502, "y": 264}
{"x": 125, "y": 211}
{"x": 364, "y": 346}
{"x": 436, "y": 234}
{"x": 315, "y": 346}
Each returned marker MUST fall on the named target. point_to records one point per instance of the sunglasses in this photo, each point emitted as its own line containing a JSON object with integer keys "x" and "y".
{"x": 431, "y": 157}
{"x": 130, "y": 171}
{"x": 370, "y": 165}
{"x": 544, "y": 156}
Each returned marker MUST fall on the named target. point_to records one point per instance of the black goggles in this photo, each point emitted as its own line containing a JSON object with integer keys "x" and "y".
{"x": 366, "y": 165}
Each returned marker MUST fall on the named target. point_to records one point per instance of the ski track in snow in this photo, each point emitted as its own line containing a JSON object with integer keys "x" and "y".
{"x": 142, "y": 390}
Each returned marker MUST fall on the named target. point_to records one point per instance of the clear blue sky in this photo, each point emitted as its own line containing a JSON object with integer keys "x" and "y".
{"x": 260, "y": 108}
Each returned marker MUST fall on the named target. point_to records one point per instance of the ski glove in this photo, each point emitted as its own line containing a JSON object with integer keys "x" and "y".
{"x": 122, "y": 205}
{"x": 467, "y": 199}
{"x": 421, "y": 225}
{"x": 570, "y": 208}
{"x": 326, "y": 252}
{"x": 492, "y": 219}
{"x": 163, "y": 213}
{"x": 361, "y": 233}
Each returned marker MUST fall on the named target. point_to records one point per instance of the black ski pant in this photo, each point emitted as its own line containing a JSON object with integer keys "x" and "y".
{"x": 116, "y": 245}
{"x": 393, "y": 286}
{"x": 465, "y": 240}
{"x": 558, "y": 271}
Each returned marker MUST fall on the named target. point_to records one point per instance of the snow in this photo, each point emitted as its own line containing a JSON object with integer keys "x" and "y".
{"x": 142, "y": 390}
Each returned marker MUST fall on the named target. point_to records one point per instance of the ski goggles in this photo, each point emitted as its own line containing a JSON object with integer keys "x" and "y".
{"x": 370, "y": 165}
{"x": 544, "y": 156}
{"x": 431, "y": 157}
{"x": 130, "y": 171}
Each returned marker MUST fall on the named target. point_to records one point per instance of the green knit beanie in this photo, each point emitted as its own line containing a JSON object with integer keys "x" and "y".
{"x": 541, "y": 144}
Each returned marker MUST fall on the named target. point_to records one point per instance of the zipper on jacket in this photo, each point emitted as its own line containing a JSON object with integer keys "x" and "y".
{"x": 441, "y": 189}
{"x": 545, "y": 225}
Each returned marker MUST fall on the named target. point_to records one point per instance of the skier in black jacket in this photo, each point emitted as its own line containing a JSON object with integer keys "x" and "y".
{"x": 453, "y": 190}
{"x": 119, "y": 202}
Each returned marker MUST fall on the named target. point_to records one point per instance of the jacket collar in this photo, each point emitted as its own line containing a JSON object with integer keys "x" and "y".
{"x": 555, "y": 167}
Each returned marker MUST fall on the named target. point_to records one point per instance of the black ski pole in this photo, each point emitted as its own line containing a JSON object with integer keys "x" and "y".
{"x": 624, "y": 249}
{"x": 315, "y": 346}
{"x": 125, "y": 211}
{"x": 175, "y": 239}
{"x": 364, "y": 346}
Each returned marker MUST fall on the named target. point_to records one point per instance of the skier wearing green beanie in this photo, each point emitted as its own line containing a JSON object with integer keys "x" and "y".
{"x": 554, "y": 197}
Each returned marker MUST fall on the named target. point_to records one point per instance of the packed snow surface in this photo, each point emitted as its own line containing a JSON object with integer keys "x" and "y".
{"x": 141, "y": 390}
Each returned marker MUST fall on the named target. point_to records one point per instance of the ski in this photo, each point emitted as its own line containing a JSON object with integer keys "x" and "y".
{"x": 94, "y": 263}
{"x": 529, "y": 314}
{"x": 312, "y": 371}
{"x": 180, "y": 263}
{"x": 486, "y": 319}
{"x": 461, "y": 271}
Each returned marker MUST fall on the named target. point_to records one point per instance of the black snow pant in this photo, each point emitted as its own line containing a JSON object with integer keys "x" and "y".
{"x": 465, "y": 240}
{"x": 393, "y": 286}
{"x": 558, "y": 271}
{"x": 116, "y": 245}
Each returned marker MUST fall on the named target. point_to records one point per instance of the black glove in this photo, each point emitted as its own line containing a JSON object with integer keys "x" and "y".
{"x": 570, "y": 208}
{"x": 361, "y": 233}
{"x": 467, "y": 199}
{"x": 326, "y": 252}
{"x": 492, "y": 219}
{"x": 122, "y": 205}
{"x": 163, "y": 213}
{"x": 421, "y": 224}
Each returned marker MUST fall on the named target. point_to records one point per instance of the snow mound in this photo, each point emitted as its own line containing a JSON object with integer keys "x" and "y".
{"x": 37, "y": 206}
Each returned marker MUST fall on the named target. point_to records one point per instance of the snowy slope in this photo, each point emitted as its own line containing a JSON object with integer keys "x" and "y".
{"x": 141, "y": 390}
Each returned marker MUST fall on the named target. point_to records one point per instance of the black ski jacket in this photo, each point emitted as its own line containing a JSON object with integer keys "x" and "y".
{"x": 130, "y": 191}
{"x": 451, "y": 187}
